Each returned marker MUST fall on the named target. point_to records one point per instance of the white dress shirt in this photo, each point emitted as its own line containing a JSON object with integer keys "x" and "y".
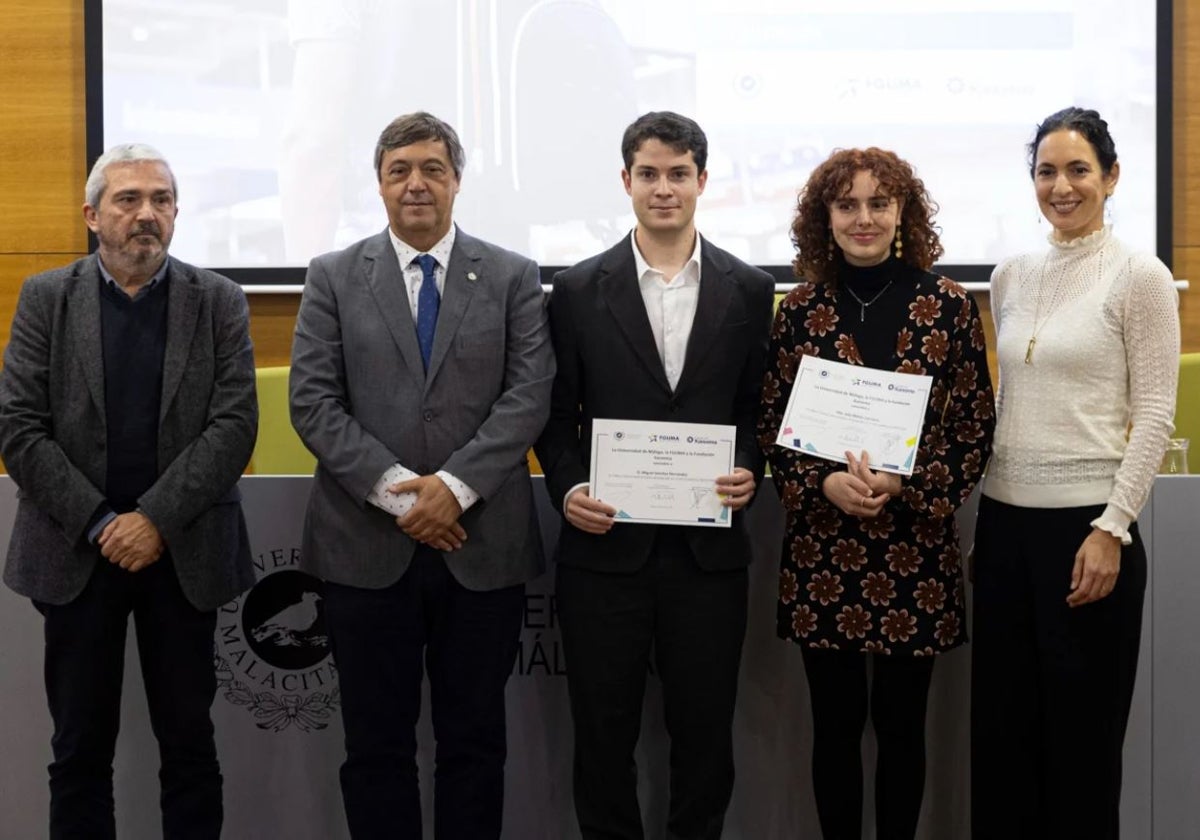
{"x": 400, "y": 504}
{"x": 670, "y": 306}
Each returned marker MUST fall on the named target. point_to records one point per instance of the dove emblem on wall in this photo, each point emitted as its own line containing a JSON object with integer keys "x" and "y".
{"x": 286, "y": 627}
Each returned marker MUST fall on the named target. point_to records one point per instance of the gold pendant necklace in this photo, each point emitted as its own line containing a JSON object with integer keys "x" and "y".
{"x": 1038, "y": 320}
{"x": 1066, "y": 281}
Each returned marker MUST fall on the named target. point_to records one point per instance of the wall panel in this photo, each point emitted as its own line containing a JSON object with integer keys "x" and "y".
{"x": 42, "y": 154}
{"x": 272, "y": 320}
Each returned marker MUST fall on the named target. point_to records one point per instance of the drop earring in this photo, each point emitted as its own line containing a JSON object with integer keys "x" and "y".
{"x": 899, "y": 244}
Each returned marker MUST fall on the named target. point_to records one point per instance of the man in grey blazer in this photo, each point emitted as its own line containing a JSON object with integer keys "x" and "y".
{"x": 421, "y": 375}
{"x": 127, "y": 413}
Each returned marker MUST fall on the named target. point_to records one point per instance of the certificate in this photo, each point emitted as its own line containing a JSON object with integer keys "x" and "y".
{"x": 662, "y": 473}
{"x": 837, "y": 407}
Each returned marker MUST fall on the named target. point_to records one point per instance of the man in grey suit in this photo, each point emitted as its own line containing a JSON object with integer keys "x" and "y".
{"x": 421, "y": 375}
{"x": 127, "y": 413}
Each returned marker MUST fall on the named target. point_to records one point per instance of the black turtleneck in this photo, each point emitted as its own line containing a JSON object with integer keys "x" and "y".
{"x": 875, "y": 328}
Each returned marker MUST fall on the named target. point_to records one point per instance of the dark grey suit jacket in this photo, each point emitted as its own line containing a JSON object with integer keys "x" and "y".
{"x": 53, "y": 433}
{"x": 361, "y": 401}
{"x": 608, "y": 366}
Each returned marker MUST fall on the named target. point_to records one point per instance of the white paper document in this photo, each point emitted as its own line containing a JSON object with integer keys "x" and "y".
{"x": 836, "y": 407}
{"x": 662, "y": 473}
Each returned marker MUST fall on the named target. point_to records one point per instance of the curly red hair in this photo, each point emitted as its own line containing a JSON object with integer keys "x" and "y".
{"x": 815, "y": 261}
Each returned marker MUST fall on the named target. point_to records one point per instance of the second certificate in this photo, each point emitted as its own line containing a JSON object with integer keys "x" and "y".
{"x": 662, "y": 473}
{"x": 835, "y": 408}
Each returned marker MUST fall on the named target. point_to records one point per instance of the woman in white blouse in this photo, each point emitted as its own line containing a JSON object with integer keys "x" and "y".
{"x": 1088, "y": 346}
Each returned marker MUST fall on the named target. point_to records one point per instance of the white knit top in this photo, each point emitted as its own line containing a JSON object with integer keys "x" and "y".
{"x": 1105, "y": 324}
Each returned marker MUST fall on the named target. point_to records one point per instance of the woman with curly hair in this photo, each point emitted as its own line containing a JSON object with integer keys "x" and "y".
{"x": 1088, "y": 346}
{"x": 870, "y": 563}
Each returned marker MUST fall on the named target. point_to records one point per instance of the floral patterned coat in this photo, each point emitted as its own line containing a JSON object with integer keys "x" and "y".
{"x": 893, "y": 583}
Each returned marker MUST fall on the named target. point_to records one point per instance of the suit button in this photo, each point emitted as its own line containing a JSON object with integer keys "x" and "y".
{"x": 428, "y": 415}
{"x": 674, "y": 406}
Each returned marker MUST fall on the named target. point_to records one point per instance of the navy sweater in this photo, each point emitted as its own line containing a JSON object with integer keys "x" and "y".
{"x": 135, "y": 339}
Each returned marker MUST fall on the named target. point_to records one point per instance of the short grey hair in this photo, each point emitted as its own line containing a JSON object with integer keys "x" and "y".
{"x": 415, "y": 128}
{"x": 97, "y": 181}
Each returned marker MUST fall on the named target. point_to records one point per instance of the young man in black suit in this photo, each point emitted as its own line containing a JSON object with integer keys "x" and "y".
{"x": 663, "y": 326}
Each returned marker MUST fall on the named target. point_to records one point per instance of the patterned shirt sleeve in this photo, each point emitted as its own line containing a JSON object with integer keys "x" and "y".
{"x": 398, "y": 505}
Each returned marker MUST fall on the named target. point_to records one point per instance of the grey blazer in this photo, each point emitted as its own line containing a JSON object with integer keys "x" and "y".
{"x": 361, "y": 401}
{"x": 53, "y": 433}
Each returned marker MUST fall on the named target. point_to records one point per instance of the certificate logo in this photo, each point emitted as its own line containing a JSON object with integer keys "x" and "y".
{"x": 619, "y": 435}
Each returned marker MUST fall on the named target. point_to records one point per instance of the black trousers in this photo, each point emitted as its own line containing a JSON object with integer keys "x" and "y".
{"x": 85, "y": 655}
{"x": 837, "y": 685}
{"x": 694, "y": 621}
{"x": 1051, "y": 685}
{"x": 383, "y": 642}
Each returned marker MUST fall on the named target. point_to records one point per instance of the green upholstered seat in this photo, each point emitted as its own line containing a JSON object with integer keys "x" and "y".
{"x": 278, "y": 450}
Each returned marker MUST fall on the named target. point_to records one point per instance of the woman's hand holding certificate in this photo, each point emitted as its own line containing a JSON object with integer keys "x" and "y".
{"x": 860, "y": 491}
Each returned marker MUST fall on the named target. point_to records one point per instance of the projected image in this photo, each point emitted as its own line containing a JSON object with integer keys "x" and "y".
{"x": 269, "y": 110}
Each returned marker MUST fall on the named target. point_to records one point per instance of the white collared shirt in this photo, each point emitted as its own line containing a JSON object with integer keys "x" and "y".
{"x": 413, "y": 277}
{"x": 398, "y": 505}
{"x": 670, "y": 306}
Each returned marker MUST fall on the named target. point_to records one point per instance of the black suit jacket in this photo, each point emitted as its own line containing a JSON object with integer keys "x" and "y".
{"x": 609, "y": 367}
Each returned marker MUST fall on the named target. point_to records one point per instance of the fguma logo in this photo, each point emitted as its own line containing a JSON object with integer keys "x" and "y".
{"x": 272, "y": 649}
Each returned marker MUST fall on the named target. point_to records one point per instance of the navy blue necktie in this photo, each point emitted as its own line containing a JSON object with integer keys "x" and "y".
{"x": 428, "y": 301}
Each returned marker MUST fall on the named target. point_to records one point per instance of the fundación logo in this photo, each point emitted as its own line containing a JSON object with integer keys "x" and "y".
{"x": 272, "y": 648}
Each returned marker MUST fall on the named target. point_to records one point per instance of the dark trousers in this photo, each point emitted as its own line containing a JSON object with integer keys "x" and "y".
{"x": 1051, "y": 685}
{"x": 85, "y": 655}
{"x": 837, "y": 685}
{"x": 383, "y": 641}
{"x": 695, "y": 621}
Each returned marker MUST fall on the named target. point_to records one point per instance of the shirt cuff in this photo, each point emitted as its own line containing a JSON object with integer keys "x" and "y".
{"x": 105, "y": 515}
{"x": 397, "y": 504}
{"x": 1116, "y": 522}
{"x": 582, "y": 484}
{"x": 465, "y": 495}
